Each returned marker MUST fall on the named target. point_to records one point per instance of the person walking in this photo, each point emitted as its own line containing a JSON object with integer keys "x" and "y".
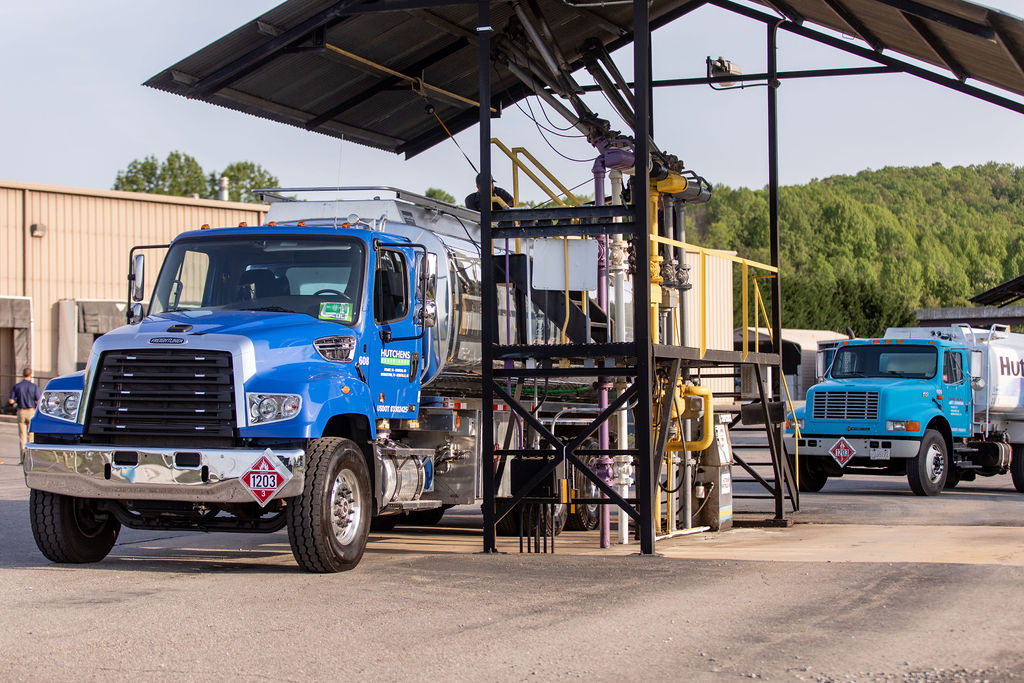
{"x": 25, "y": 396}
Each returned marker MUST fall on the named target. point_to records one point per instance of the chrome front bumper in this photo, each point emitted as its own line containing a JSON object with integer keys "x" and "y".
{"x": 90, "y": 472}
{"x": 862, "y": 446}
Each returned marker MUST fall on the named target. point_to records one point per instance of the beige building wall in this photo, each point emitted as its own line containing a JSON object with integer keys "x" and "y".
{"x": 73, "y": 243}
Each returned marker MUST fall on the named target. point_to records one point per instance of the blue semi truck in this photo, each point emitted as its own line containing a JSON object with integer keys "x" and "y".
{"x": 319, "y": 372}
{"x": 937, "y": 405}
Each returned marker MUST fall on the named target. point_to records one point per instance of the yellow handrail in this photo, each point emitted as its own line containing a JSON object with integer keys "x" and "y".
{"x": 785, "y": 384}
{"x": 518, "y": 165}
{"x": 745, "y": 266}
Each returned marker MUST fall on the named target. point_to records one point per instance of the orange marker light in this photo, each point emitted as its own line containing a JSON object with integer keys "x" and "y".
{"x": 243, "y": 224}
{"x": 204, "y": 226}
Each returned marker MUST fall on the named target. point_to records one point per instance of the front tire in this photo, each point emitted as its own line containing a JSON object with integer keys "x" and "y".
{"x": 329, "y": 523}
{"x": 927, "y": 471}
{"x": 71, "y": 530}
{"x": 812, "y": 476}
{"x": 1017, "y": 467}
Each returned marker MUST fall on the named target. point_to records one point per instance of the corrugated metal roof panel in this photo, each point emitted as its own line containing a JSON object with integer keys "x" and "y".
{"x": 370, "y": 77}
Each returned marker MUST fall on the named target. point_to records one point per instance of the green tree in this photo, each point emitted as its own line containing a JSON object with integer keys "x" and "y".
{"x": 142, "y": 175}
{"x": 243, "y": 178}
{"x": 181, "y": 175}
{"x": 439, "y": 195}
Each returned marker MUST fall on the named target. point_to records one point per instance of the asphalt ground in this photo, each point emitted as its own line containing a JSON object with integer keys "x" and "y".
{"x": 871, "y": 584}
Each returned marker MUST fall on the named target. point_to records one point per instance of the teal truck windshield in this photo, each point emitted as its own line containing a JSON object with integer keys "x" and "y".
{"x": 885, "y": 360}
{"x": 317, "y": 276}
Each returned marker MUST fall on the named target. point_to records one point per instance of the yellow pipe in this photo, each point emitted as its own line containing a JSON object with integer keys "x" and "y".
{"x": 746, "y": 312}
{"x": 655, "y": 257}
{"x": 709, "y": 421}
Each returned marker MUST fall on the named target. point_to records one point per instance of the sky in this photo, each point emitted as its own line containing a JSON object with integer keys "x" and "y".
{"x": 74, "y": 111}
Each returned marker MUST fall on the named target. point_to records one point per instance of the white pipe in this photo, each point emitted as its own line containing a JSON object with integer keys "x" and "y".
{"x": 615, "y": 177}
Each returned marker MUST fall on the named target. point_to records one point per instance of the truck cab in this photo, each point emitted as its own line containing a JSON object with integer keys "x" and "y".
{"x": 897, "y": 406}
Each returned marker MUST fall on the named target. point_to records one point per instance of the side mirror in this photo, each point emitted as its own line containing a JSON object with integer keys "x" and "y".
{"x": 135, "y": 314}
{"x": 428, "y": 315}
{"x": 977, "y": 370}
{"x": 137, "y": 276}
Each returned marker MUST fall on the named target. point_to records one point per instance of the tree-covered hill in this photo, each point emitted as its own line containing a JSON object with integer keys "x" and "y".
{"x": 863, "y": 250}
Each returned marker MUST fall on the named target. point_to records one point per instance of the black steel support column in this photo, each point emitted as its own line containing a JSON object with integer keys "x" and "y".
{"x": 489, "y": 307}
{"x": 774, "y": 433}
{"x": 646, "y": 472}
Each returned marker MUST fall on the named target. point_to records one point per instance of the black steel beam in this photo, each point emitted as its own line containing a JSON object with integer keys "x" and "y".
{"x": 785, "y": 9}
{"x": 774, "y": 435}
{"x": 548, "y": 351}
{"x": 462, "y": 121}
{"x": 387, "y": 83}
{"x": 516, "y": 92}
{"x": 715, "y": 356}
{"x": 489, "y": 313}
{"x": 646, "y": 476}
{"x": 575, "y": 230}
{"x": 256, "y": 57}
{"x": 855, "y": 24}
{"x": 905, "y": 67}
{"x": 941, "y": 50}
{"x": 593, "y": 213}
{"x": 566, "y": 450}
{"x": 565, "y": 372}
{"x": 758, "y": 77}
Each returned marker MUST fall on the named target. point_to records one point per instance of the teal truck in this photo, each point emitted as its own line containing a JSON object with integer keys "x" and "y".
{"x": 938, "y": 405}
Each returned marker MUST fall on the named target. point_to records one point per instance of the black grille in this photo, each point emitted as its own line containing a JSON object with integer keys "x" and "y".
{"x": 846, "y": 405}
{"x": 164, "y": 392}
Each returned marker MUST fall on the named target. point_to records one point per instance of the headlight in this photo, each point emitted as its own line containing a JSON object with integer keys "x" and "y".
{"x": 61, "y": 405}
{"x": 264, "y": 408}
{"x": 790, "y": 422}
{"x": 902, "y": 426}
{"x": 336, "y": 348}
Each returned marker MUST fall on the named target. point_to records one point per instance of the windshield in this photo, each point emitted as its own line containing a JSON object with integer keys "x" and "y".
{"x": 321, "y": 277}
{"x": 877, "y": 360}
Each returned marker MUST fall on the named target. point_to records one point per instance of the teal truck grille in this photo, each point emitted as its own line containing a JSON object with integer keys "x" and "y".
{"x": 163, "y": 392}
{"x": 845, "y": 405}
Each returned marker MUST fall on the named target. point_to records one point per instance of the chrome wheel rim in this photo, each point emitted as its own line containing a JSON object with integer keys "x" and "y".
{"x": 346, "y": 507}
{"x": 936, "y": 463}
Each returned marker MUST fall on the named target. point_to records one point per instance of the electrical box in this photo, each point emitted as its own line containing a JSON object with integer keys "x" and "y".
{"x": 748, "y": 382}
{"x": 713, "y": 483}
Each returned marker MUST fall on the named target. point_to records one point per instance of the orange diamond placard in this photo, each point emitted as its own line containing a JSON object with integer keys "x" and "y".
{"x": 265, "y": 478}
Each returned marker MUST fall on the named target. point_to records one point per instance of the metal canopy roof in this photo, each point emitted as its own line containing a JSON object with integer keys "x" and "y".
{"x": 367, "y": 71}
{"x": 1002, "y": 294}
